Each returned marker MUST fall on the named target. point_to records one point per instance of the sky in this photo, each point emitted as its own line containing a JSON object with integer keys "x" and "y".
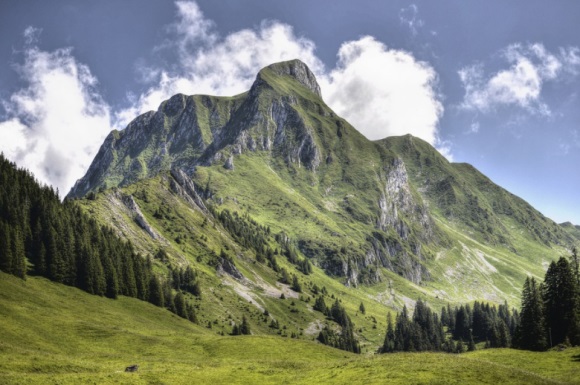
{"x": 495, "y": 84}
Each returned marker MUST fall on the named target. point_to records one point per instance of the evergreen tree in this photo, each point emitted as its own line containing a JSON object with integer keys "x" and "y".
{"x": 5, "y": 248}
{"x": 471, "y": 343}
{"x": 560, "y": 297}
{"x": 531, "y": 334}
{"x": 156, "y": 292}
{"x": 444, "y": 316}
{"x": 191, "y": 313}
{"x": 244, "y": 327}
{"x": 389, "y": 343}
{"x": 296, "y": 284}
{"x": 180, "y": 305}
{"x": 575, "y": 265}
{"x": 462, "y": 324}
{"x": 320, "y": 305}
{"x": 362, "y": 308}
{"x": 111, "y": 280}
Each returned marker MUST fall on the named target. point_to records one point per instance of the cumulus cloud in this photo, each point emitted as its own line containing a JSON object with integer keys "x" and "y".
{"x": 384, "y": 92}
{"x": 55, "y": 125}
{"x": 530, "y": 67}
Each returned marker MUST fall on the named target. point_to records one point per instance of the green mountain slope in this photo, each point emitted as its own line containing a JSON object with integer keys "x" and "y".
{"x": 57, "y": 334}
{"x": 383, "y": 222}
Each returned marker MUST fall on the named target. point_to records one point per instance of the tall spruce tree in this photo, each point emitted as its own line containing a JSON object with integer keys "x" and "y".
{"x": 389, "y": 342}
{"x": 156, "y": 296}
{"x": 575, "y": 265}
{"x": 531, "y": 334}
{"x": 560, "y": 297}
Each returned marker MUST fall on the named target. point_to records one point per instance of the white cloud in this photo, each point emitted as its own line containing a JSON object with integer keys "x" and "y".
{"x": 384, "y": 92}
{"x": 56, "y": 124}
{"x": 530, "y": 67}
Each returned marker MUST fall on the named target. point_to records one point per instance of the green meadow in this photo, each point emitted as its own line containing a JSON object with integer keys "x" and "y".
{"x": 54, "y": 334}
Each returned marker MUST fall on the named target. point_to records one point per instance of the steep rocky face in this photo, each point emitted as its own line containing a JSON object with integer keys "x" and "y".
{"x": 190, "y": 130}
{"x": 397, "y": 204}
{"x": 177, "y": 134}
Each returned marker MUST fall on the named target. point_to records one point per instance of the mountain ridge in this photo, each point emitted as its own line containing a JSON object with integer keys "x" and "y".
{"x": 280, "y": 151}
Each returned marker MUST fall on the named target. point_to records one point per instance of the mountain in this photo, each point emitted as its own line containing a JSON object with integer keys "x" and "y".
{"x": 252, "y": 187}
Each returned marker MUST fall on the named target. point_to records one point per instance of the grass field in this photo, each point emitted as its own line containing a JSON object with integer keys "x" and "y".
{"x": 53, "y": 334}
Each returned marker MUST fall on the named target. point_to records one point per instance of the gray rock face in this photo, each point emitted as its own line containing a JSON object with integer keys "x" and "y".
{"x": 139, "y": 218}
{"x": 191, "y": 130}
{"x": 185, "y": 188}
{"x": 397, "y": 207}
{"x": 229, "y": 165}
{"x": 397, "y": 202}
{"x": 228, "y": 267}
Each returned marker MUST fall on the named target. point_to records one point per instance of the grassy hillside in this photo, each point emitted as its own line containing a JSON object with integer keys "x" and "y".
{"x": 54, "y": 334}
{"x": 467, "y": 269}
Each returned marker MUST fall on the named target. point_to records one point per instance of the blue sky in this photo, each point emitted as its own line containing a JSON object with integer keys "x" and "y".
{"x": 492, "y": 83}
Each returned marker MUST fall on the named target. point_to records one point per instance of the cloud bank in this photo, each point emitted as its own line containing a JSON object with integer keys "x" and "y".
{"x": 56, "y": 124}
{"x": 531, "y": 66}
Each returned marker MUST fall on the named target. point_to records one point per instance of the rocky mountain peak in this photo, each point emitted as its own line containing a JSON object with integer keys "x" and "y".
{"x": 295, "y": 69}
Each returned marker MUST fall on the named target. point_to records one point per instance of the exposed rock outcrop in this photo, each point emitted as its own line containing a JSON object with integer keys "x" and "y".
{"x": 227, "y": 266}
{"x": 139, "y": 218}
{"x": 184, "y": 187}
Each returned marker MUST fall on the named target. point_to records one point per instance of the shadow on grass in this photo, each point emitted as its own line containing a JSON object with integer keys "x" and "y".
{"x": 576, "y": 358}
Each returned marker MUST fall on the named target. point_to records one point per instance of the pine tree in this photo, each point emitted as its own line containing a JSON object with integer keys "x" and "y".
{"x": 191, "y": 314}
{"x": 575, "y": 265}
{"x": 560, "y": 297}
{"x": 462, "y": 324}
{"x": 18, "y": 255}
{"x": 155, "y": 292}
{"x": 111, "y": 280}
{"x": 471, "y": 343}
{"x": 244, "y": 327}
{"x": 320, "y": 305}
{"x": 531, "y": 334}
{"x": 389, "y": 343}
{"x": 5, "y": 248}
{"x": 362, "y": 308}
{"x": 180, "y": 305}
{"x": 296, "y": 284}
{"x": 444, "y": 316}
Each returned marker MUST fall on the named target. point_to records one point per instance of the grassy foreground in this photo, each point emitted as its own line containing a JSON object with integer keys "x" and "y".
{"x": 52, "y": 334}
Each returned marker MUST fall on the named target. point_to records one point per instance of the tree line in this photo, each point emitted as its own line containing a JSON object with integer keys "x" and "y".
{"x": 551, "y": 310}
{"x": 454, "y": 330}
{"x": 549, "y": 316}
{"x": 41, "y": 236}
